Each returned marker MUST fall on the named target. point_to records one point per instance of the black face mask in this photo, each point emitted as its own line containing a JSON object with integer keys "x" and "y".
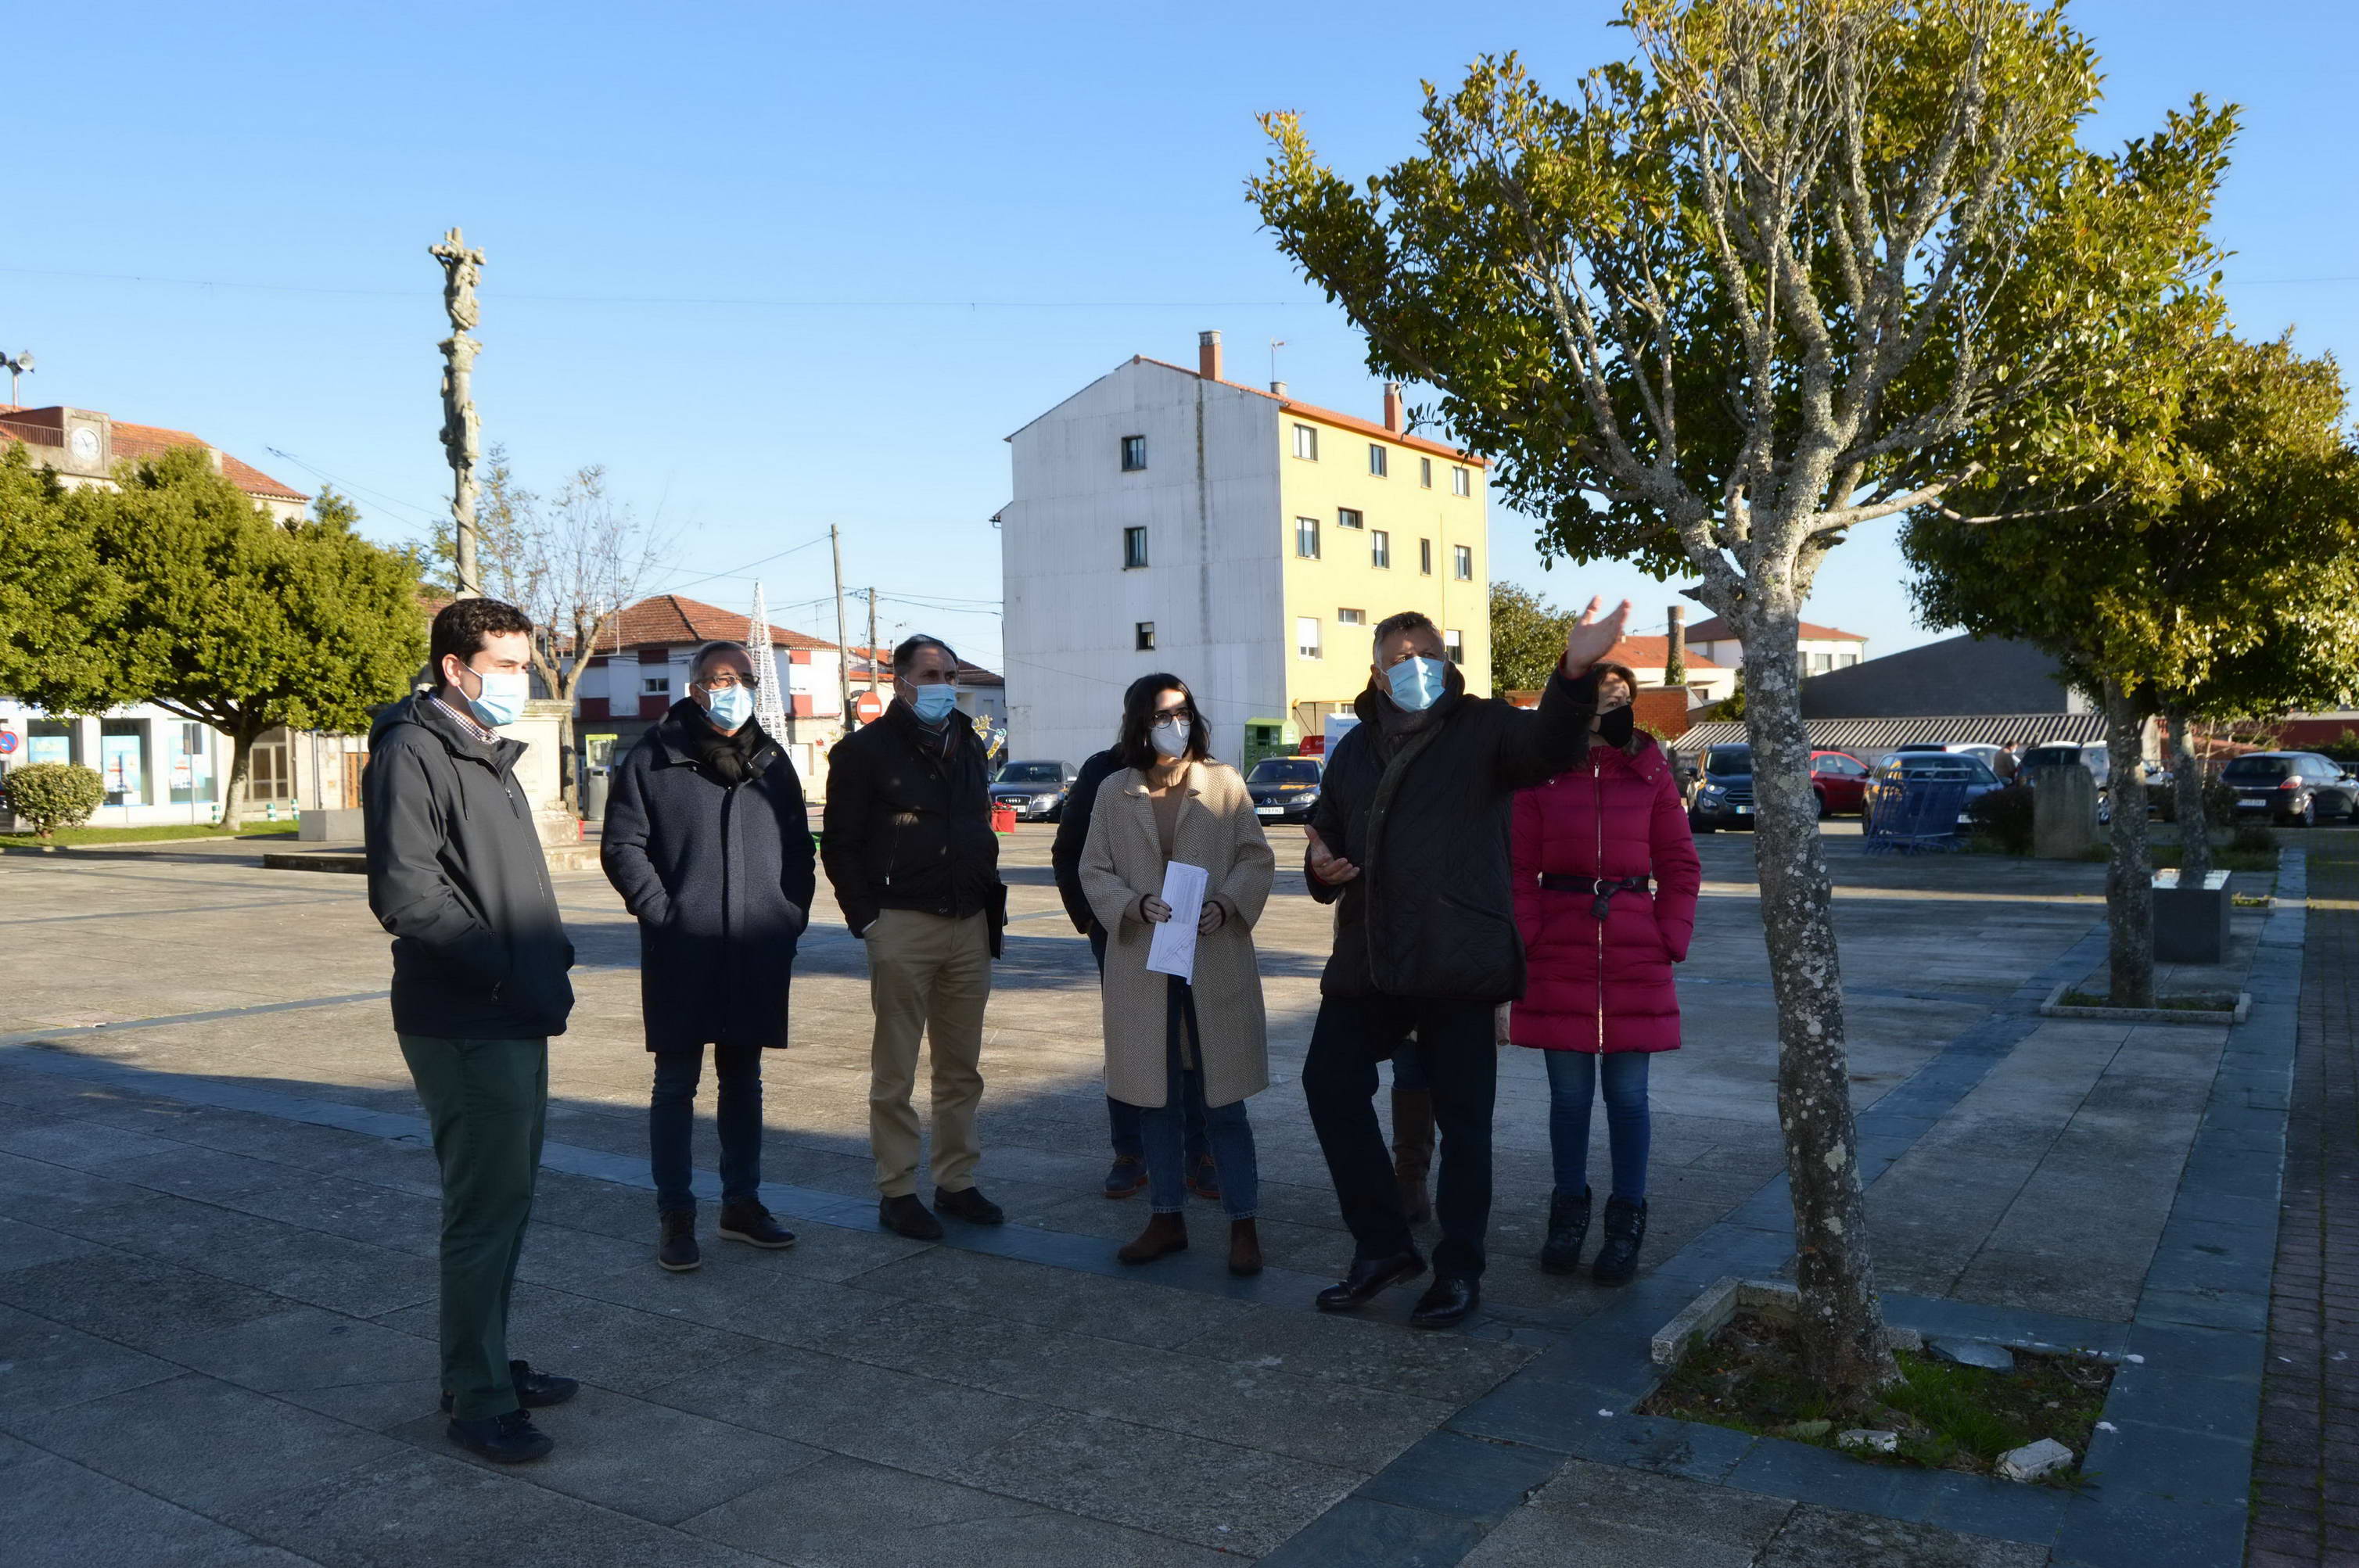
{"x": 1616, "y": 727}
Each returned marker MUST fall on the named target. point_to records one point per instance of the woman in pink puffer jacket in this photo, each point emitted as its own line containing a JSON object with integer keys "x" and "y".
{"x": 1589, "y": 847}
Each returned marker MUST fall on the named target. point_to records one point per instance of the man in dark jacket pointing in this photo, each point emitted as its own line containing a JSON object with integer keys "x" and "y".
{"x": 708, "y": 841}
{"x": 1411, "y": 835}
{"x": 479, "y": 960}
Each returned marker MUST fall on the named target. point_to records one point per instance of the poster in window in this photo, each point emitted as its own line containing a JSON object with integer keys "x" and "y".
{"x": 119, "y": 765}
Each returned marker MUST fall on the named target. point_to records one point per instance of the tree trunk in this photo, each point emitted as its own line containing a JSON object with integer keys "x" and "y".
{"x": 1843, "y": 1321}
{"x": 233, "y": 803}
{"x": 2194, "y": 823}
{"x": 2129, "y": 870}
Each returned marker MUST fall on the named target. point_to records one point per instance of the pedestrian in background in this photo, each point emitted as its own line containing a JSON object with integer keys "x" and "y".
{"x": 1127, "y": 1176}
{"x": 456, "y": 873}
{"x": 908, "y": 848}
{"x": 1599, "y": 1001}
{"x": 709, "y": 843}
{"x": 1171, "y": 1042}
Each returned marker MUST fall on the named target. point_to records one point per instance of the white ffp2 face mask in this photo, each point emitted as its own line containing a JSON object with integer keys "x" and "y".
{"x": 1171, "y": 739}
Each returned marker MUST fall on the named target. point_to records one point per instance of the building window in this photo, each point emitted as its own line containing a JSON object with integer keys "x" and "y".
{"x": 1846, "y": 661}
{"x": 1380, "y": 549}
{"x": 655, "y": 685}
{"x": 1306, "y": 537}
{"x": 1306, "y": 442}
{"x": 123, "y": 761}
{"x": 1145, "y": 636}
{"x": 1425, "y": 472}
{"x": 1134, "y": 453}
{"x": 1351, "y": 618}
{"x": 1425, "y": 557}
{"x": 1347, "y": 518}
{"x": 1461, "y": 481}
{"x": 190, "y": 765}
{"x": 1821, "y": 662}
{"x": 1462, "y": 563}
{"x": 1305, "y": 636}
{"x": 1134, "y": 548}
{"x": 1375, "y": 460}
{"x": 1453, "y": 646}
{"x": 268, "y": 775}
{"x": 52, "y": 740}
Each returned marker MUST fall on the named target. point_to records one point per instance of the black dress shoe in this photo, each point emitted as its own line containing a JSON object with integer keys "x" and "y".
{"x": 677, "y": 1250}
{"x": 1366, "y": 1278}
{"x": 750, "y": 1223}
{"x": 1446, "y": 1301}
{"x": 905, "y": 1215}
{"x": 510, "y": 1439}
{"x": 968, "y": 1203}
{"x": 534, "y": 1390}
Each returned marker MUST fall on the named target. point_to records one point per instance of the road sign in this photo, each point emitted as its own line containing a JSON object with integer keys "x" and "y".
{"x": 7, "y": 742}
{"x": 869, "y": 707}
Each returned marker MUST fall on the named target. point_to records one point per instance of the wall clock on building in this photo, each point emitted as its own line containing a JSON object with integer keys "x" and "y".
{"x": 84, "y": 442}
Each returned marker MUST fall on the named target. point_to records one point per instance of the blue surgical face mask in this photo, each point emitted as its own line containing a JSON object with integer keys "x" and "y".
{"x": 729, "y": 705}
{"x": 933, "y": 703}
{"x": 502, "y": 698}
{"x": 1416, "y": 682}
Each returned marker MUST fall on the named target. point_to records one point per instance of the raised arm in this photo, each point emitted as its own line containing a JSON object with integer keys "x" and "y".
{"x": 1535, "y": 748}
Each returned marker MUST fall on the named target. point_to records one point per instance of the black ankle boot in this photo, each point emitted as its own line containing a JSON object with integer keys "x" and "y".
{"x": 1568, "y": 1233}
{"x": 1625, "y": 1227}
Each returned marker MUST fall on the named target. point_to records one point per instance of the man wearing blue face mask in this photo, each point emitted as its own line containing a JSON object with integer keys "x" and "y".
{"x": 456, "y": 873}
{"x": 908, "y": 849}
{"x": 1410, "y": 839}
{"x": 708, "y": 841}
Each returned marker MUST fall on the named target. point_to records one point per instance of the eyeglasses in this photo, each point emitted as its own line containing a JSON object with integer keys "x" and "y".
{"x": 1168, "y": 718}
{"x": 728, "y": 678}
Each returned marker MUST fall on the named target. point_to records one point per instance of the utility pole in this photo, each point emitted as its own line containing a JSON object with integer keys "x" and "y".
{"x": 872, "y": 639}
{"x": 842, "y": 650}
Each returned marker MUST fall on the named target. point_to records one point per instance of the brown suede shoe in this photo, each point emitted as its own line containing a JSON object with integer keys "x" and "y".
{"x": 1164, "y": 1235}
{"x": 1245, "y": 1249}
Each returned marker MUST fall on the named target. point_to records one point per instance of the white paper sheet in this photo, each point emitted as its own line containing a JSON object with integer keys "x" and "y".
{"x": 1173, "y": 949}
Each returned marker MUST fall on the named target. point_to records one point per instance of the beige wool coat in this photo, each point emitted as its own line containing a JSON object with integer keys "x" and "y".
{"x": 1123, "y": 862}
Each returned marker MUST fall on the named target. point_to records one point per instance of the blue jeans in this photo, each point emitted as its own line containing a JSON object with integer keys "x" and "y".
{"x": 1574, "y": 1080}
{"x": 1226, "y": 1131}
{"x": 1408, "y": 1069}
{"x": 671, "y": 1124}
{"x": 1122, "y": 1120}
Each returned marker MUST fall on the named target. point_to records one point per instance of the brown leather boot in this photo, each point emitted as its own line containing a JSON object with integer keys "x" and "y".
{"x": 1164, "y": 1235}
{"x": 1245, "y": 1249}
{"x": 1413, "y": 1150}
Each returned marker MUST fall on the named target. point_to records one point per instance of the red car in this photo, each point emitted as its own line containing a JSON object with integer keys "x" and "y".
{"x": 1840, "y": 781}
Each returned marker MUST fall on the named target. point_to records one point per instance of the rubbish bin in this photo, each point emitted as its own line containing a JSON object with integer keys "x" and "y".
{"x": 595, "y": 790}
{"x": 2190, "y": 924}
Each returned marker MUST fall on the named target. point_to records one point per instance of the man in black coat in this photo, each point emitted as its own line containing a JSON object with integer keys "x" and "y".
{"x": 908, "y": 848}
{"x": 456, "y": 873}
{"x": 1127, "y": 1176}
{"x": 1410, "y": 836}
{"x": 709, "y": 843}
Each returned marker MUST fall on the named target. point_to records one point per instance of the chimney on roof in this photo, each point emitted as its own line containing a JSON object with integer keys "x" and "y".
{"x": 1396, "y": 418}
{"x": 1208, "y": 355}
{"x": 1277, "y": 388}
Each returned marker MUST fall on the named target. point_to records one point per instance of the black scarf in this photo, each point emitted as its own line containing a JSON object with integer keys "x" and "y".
{"x": 727, "y": 757}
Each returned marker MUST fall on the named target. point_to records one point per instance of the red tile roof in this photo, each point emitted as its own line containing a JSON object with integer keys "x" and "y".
{"x": 671, "y": 618}
{"x": 1719, "y": 630}
{"x": 1651, "y": 652}
{"x": 1349, "y": 422}
{"x": 132, "y": 442}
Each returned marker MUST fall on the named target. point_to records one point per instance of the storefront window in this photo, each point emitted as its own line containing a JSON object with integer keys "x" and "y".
{"x": 191, "y": 764}
{"x": 50, "y": 740}
{"x": 122, "y": 760}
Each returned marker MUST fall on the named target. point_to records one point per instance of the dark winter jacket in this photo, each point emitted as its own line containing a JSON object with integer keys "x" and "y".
{"x": 456, "y": 873}
{"x": 1603, "y": 984}
{"x": 1429, "y": 914}
{"x": 908, "y": 824}
{"x": 1073, "y": 832}
{"x": 720, "y": 876}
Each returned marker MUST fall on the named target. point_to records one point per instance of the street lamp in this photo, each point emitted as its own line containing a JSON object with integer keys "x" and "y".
{"x": 16, "y": 366}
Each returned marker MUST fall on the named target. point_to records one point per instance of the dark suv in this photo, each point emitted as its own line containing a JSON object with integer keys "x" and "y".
{"x": 2291, "y": 787}
{"x": 1284, "y": 788}
{"x": 1723, "y": 790}
{"x": 1035, "y": 790}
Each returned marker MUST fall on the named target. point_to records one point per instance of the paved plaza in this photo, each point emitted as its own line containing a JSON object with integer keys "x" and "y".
{"x": 217, "y": 1277}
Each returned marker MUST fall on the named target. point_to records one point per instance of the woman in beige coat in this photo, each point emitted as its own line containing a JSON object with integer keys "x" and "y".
{"x": 1167, "y": 1041}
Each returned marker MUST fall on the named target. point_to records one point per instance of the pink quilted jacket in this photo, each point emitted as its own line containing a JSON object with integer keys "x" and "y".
{"x": 1604, "y": 986}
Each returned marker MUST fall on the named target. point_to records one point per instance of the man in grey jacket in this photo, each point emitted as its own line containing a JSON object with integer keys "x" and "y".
{"x": 457, "y": 875}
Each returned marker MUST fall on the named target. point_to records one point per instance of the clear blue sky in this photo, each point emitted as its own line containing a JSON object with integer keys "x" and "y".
{"x": 783, "y": 268}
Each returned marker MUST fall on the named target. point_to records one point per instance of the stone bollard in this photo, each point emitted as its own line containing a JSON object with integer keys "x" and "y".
{"x": 2063, "y": 813}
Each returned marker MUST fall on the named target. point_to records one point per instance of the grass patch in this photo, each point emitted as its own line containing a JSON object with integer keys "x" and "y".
{"x": 1750, "y": 1377}
{"x": 159, "y": 834}
{"x": 2197, "y": 1002}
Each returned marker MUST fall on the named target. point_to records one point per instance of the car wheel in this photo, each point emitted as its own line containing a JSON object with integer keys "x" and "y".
{"x": 2309, "y": 814}
{"x": 1820, "y": 796}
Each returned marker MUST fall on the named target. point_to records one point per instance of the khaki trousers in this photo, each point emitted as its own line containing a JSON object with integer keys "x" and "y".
{"x": 929, "y": 976}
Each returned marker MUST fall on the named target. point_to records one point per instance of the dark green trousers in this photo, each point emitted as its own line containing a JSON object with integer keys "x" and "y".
{"x": 486, "y": 1100}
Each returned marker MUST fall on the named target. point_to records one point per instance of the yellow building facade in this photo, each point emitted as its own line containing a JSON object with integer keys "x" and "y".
{"x": 1375, "y": 522}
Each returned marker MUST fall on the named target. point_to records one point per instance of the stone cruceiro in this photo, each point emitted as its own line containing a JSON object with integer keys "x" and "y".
{"x": 2034, "y": 1461}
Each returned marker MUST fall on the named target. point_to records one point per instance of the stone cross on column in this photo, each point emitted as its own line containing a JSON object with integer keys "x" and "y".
{"x": 462, "y": 435}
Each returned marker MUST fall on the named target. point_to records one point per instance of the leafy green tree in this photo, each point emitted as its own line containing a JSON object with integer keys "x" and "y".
{"x": 214, "y": 611}
{"x": 1732, "y": 297}
{"x": 2215, "y": 574}
{"x": 1527, "y": 638}
{"x": 52, "y": 584}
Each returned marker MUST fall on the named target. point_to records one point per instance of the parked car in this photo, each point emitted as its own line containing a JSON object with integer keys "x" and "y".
{"x": 1915, "y": 767}
{"x": 2292, "y": 787}
{"x": 1723, "y": 796}
{"x": 2066, "y": 753}
{"x": 1035, "y": 790}
{"x": 1286, "y": 788}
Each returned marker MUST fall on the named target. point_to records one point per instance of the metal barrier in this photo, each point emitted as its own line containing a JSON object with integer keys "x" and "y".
{"x": 1923, "y": 817}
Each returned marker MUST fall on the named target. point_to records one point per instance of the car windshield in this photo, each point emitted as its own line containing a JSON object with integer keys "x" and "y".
{"x": 1726, "y": 759}
{"x": 1032, "y": 773}
{"x": 2268, "y": 769}
{"x": 1284, "y": 770}
{"x": 1950, "y": 766}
